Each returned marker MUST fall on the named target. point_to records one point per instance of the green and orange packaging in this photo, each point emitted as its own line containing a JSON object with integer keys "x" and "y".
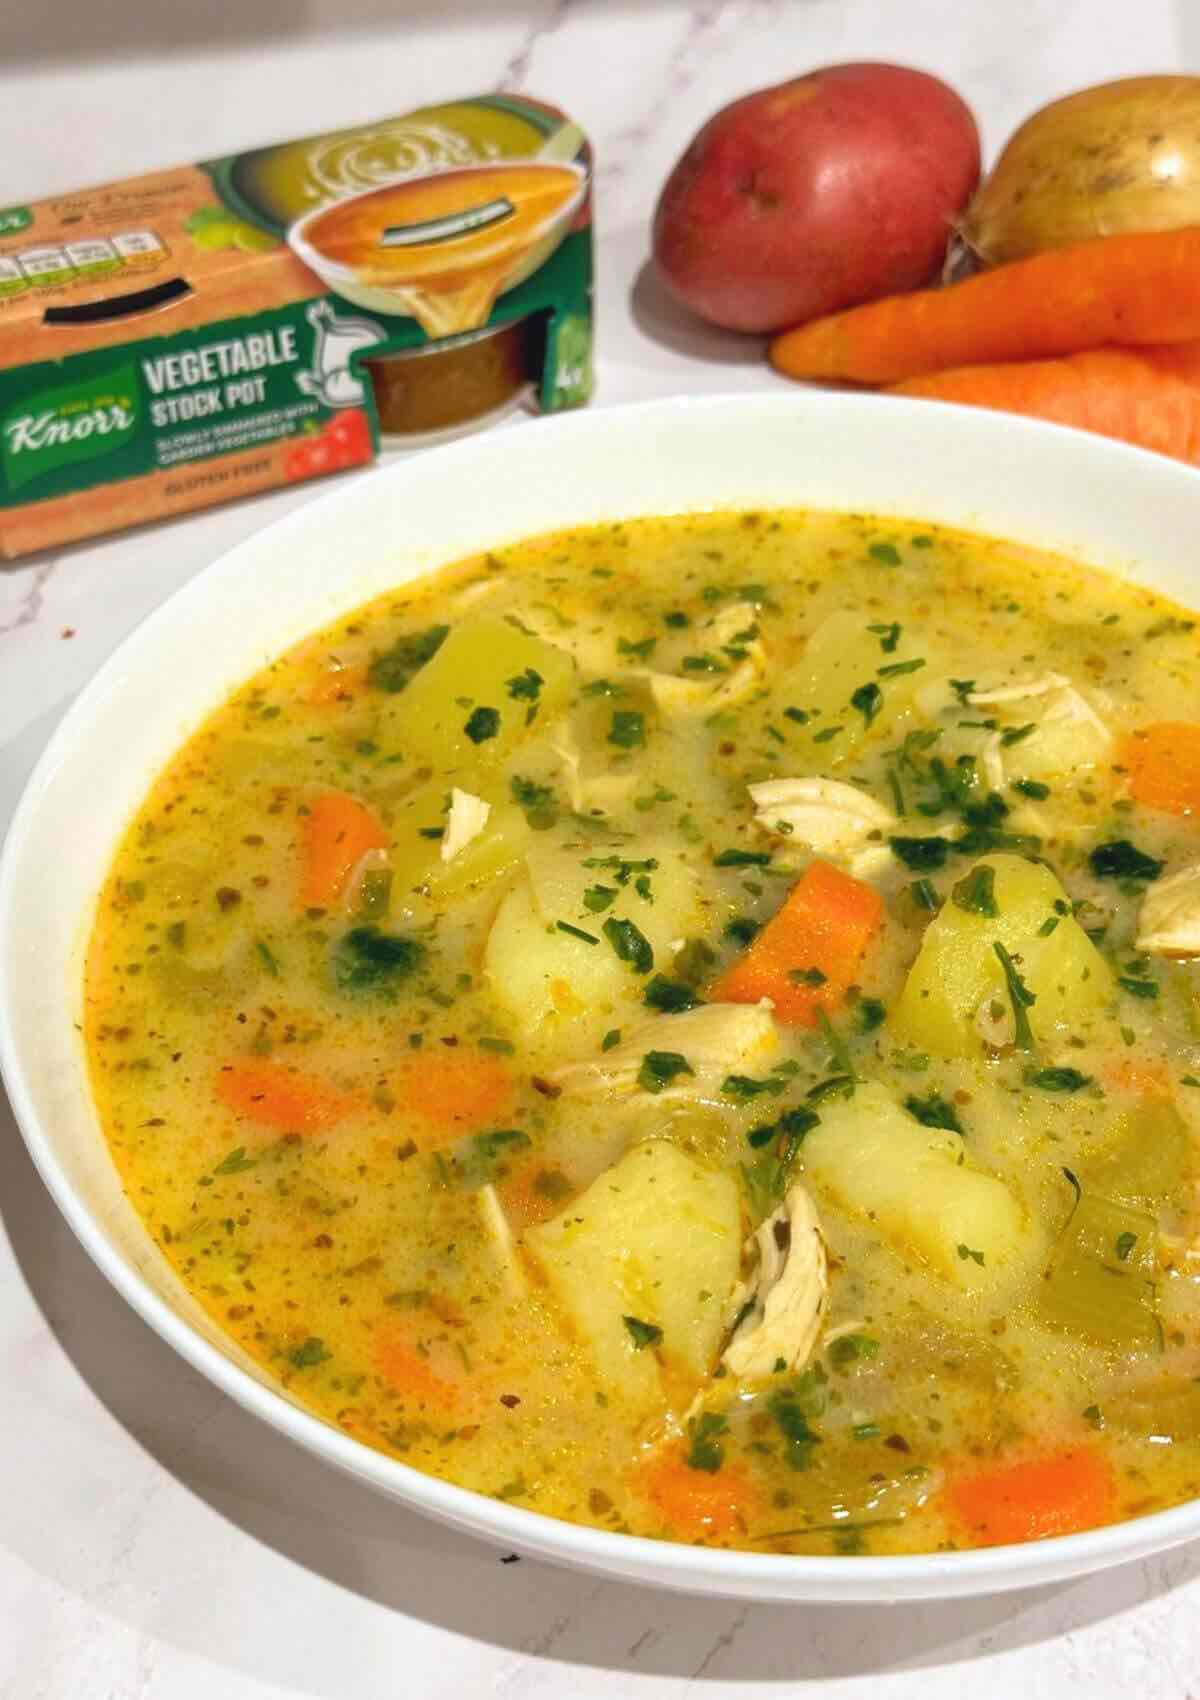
{"x": 177, "y": 340}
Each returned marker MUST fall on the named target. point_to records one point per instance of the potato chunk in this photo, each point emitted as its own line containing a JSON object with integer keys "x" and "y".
{"x": 550, "y": 978}
{"x": 488, "y": 685}
{"x": 917, "y": 1187}
{"x": 657, "y": 1238}
{"x": 842, "y": 655}
{"x": 957, "y": 970}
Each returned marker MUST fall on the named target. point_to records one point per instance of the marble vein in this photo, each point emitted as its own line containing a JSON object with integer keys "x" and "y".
{"x": 513, "y": 76}
{"x": 30, "y": 597}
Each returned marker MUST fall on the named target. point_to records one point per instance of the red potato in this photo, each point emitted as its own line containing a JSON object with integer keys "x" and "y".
{"x": 817, "y": 194}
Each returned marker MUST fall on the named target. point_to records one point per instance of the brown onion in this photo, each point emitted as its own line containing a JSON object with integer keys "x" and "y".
{"x": 1119, "y": 157}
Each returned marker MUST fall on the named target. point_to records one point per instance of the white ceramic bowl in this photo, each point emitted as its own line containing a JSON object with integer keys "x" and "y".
{"x": 1057, "y": 489}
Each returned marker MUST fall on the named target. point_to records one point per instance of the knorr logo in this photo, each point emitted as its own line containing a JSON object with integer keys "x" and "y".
{"x": 60, "y": 427}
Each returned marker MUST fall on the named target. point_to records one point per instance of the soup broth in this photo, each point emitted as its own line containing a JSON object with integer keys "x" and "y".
{"x": 691, "y": 1027}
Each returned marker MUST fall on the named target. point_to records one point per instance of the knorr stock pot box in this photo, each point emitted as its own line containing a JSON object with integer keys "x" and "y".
{"x": 180, "y": 339}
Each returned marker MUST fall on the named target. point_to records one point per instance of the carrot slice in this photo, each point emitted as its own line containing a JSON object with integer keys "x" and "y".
{"x": 453, "y": 1092}
{"x": 338, "y": 832}
{"x": 336, "y": 685}
{"x": 693, "y": 1503}
{"x": 1162, "y": 764}
{"x": 276, "y": 1096}
{"x": 1034, "y": 1498}
{"x": 810, "y": 952}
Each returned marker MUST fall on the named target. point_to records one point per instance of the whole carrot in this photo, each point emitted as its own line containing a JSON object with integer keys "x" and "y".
{"x": 1146, "y": 396}
{"x": 1137, "y": 289}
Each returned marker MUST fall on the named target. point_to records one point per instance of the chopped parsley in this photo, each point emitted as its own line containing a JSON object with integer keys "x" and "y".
{"x": 889, "y": 636}
{"x": 576, "y": 932}
{"x": 1032, "y": 788}
{"x": 642, "y": 650}
{"x": 1125, "y": 1244}
{"x": 642, "y": 1334}
{"x": 392, "y": 669}
{"x": 742, "y": 859}
{"x": 309, "y": 1353}
{"x": 922, "y": 855}
{"x": 868, "y": 700}
{"x": 705, "y": 1451}
{"x": 628, "y": 729}
{"x": 871, "y": 1014}
{"x": 669, "y": 996}
{"x": 526, "y": 686}
{"x": 934, "y": 1111}
{"x": 1020, "y": 997}
{"x": 366, "y": 960}
{"x": 631, "y": 945}
{"x": 897, "y": 668}
{"x": 1058, "y": 1079}
{"x": 597, "y": 898}
{"x": 1119, "y": 859}
{"x": 965, "y": 1251}
{"x": 538, "y": 801}
{"x": 885, "y": 553}
{"x": 482, "y": 724}
{"x": 975, "y": 894}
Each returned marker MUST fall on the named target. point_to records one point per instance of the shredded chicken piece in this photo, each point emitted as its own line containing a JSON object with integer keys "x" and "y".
{"x": 710, "y": 693}
{"x": 604, "y": 792}
{"x": 787, "y": 1292}
{"x": 1169, "y": 919}
{"x": 1061, "y": 702}
{"x": 501, "y": 1235}
{"x": 467, "y": 818}
{"x": 834, "y": 819}
{"x": 717, "y": 1039}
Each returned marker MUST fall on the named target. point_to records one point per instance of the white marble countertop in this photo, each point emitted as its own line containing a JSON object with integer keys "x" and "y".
{"x": 155, "y": 1542}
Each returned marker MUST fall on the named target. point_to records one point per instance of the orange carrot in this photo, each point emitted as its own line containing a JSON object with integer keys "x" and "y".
{"x": 332, "y": 686}
{"x": 1148, "y": 1077}
{"x": 1142, "y": 288}
{"x": 453, "y": 1092}
{"x": 1149, "y": 397}
{"x": 1162, "y": 766}
{"x": 428, "y": 1374}
{"x": 280, "y": 1097}
{"x": 338, "y": 832}
{"x": 533, "y": 1193}
{"x": 1036, "y": 1497}
{"x": 693, "y": 1503}
{"x": 822, "y": 931}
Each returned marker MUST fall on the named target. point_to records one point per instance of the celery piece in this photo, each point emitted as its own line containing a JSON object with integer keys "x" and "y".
{"x": 1091, "y": 1290}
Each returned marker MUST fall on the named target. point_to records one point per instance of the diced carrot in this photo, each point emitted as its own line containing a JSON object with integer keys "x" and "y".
{"x": 1162, "y": 764}
{"x": 276, "y": 1096}
{"x": 1034, "y": 1498}
{"x": 695, "y": 1504}
{"x": 452, "y": 1092}
{"x": 415, "y": 1357}
{"x": 338, "y": 832}
{"x": 336, "y": 685}
{"x": 821, "y": 934}
{"x": 1148, "y": 1077}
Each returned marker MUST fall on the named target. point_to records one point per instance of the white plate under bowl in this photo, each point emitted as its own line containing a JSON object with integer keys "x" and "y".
{"x": 1109, "y": 505}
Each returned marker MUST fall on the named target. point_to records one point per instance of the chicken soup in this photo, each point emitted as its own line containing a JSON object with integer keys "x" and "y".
{"x": 692, "y": 1027}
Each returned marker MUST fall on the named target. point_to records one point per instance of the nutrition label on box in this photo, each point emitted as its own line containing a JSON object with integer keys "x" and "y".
{"x": 50, "y": 264}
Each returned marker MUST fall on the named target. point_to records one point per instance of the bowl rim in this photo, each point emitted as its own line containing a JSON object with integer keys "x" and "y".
{"x": 672, "y": 1565}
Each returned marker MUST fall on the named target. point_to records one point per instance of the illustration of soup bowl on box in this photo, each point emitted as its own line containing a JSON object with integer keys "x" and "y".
{"x": 442, "y": 247}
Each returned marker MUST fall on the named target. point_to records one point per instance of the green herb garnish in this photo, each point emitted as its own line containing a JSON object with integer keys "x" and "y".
{"x": 631, "y": 945}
